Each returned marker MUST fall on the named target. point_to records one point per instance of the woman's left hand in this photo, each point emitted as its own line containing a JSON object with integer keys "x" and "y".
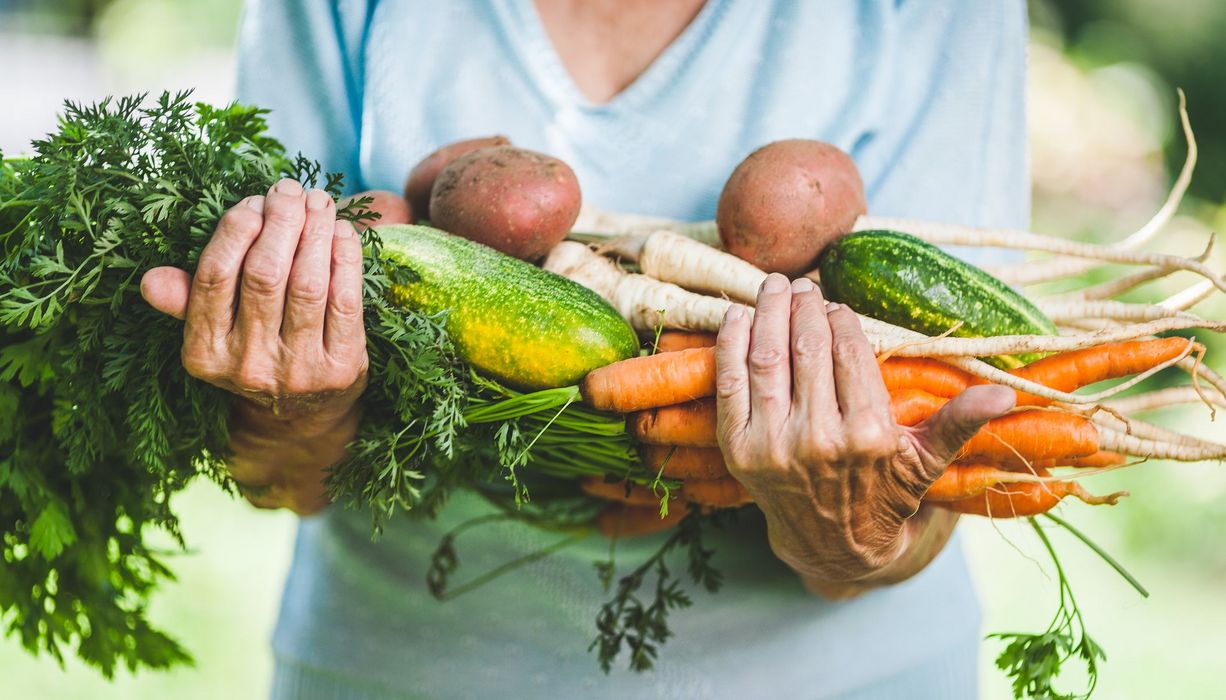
{"x": 805, "y": 426}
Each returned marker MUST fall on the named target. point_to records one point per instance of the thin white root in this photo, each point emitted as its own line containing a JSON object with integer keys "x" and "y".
{"x": 1200, "y": 372}
{"x": 943, "y": 234}
{"x": 1189, "y": 297}
{"x": 1116, "y": 441}
{"x": 1162, "y": 398}
{"x": 1062, "y": 311}
{"x": 1062, "y": 267}
{"x": 595, "y": 226}
{"x": 1110, "y": 288}
{"x": 1023, "y": 344}
{"x": 1149, "y": 431}
{"x": 645, "y": 302}
{"x": 671, "y": 257}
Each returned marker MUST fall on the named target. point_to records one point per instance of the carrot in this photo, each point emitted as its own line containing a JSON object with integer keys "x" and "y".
{"x": 672, "y": 341}
{"x": 1025, "y": 498}
{"x": 911, "y": 406}
{"x": 716, "y": 493}
{"x": 651, "y": 381}
{"x": 966, "y": 480}
{"x": 691, "y": 424}
{"x": 1020, "y": 438}
{"x": 1099, "y": 459}
{"x": 685, "y": 462}
{"x": 623, "y": 520}
{"x": 932, "y": 376}
{"x": 1069, "y": 371}
{"x": 621, "y": 491}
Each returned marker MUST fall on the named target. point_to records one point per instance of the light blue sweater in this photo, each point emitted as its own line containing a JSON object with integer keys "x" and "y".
{"x": 926, "y": 95}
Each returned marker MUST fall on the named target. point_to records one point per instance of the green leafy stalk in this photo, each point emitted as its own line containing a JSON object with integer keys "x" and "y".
{"x": 1034, "y": 661}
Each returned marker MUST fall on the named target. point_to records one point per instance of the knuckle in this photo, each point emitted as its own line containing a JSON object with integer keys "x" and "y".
{"x": 306, "y": 288}
{"x": 730, "y": 383}
{"x": 845, "y": 346}
{"x": 766, "y": 358}
{"x": 211, "y": 277}
{"x": 263, "y": 274}
{"x": 348, "y": 255}
{"x": 346, "y": 305}
{"x": 810, "y": 344}
{"x": 870, "y": 437}
{"x": 201, "y": 364}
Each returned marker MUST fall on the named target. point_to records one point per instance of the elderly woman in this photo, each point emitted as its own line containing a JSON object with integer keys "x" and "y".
{"x": 843, "y": 587}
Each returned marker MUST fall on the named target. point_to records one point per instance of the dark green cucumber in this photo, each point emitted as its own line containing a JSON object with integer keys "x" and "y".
{"x": 510, "y": 320}
{"x": 898, "y": 278}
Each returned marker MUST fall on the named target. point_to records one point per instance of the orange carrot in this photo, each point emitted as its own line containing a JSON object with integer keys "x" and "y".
{"x": 966, "y": 480}
{"x": 716, "y": 493}
{"x": 932, "y": 376}
{"x": 651, "y": 381}
{"x": 691, "y": 424}
{"x": 1028, "y": 436}
{"x": 622, "y": 520}
{"x": 685, "y": 462}
{"x": 1102, "y": 458}
{"x": 620, "y": 491}
{"x": 1025, "y": 498}
{"x": 672, "y": 341}
{"x": 911, "y": 406}
{"x": 1069, "y": 371}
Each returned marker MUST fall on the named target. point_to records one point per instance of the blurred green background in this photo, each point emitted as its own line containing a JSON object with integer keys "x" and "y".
{"x": 1104, "y": 144}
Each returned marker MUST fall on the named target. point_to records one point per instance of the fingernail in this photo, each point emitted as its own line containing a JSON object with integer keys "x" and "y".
{"x": 831, "y": 307}
{"x": 290, "y": 187}
{"x": 318, "y": 199}
{"x": 735, "y": 312}
{"x": 804, "y": 285}
{"x": 775, "y": 283}
{"x": 256, "y": 202}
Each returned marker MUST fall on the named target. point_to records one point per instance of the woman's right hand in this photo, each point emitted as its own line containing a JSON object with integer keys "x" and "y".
{"x": 274, "y": 315}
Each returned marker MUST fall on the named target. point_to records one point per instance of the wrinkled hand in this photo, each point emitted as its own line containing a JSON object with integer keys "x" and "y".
{"x": 805, "y": 426}
{"x": 274, "y": 315}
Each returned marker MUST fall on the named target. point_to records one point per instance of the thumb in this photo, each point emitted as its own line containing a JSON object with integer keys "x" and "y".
{"x": 941, "y": 436}
{"x": 166, "y": 289}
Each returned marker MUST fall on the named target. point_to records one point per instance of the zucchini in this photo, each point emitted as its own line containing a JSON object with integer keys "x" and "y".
{"x": 510, "y": 320}
{"x": 898, "y": 278}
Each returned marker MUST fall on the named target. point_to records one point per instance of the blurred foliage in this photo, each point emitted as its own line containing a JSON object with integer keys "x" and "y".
{"x": 1180, "y": 42}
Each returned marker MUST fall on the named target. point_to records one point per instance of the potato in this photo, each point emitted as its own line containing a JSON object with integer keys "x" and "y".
{"x": 391, "y": 207}
{"x": 421, "y": 178}
{"x": 517, "y": 201}
{"x": 786, "y": 202}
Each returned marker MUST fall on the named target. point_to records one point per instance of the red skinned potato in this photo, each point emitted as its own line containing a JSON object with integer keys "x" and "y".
{"x": 391, "y": 207}
{"x": 421, "y": 178}
{"x": 517, "y": 201}
{"x": 786, "y": 202}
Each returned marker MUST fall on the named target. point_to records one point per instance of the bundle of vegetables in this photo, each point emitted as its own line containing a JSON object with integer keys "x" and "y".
{"x": 483, "y": 366}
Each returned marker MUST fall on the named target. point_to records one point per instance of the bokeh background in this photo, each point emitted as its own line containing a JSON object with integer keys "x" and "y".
{"x": 1105, "y": 143}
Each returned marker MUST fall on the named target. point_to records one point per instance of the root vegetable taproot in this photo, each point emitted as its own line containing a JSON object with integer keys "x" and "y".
{"x": 684, "y": 462}
{"x": 672, "y": 257}
{"x": 619, "y": 520}
{"x": 672, "y": 341}
{"x": 619, "y": 491}
{"x": 651, "y": 381}
{"x": 690, "y": 424}
{"x": 715, "y": 493}
{"x": 1025, "y": 498}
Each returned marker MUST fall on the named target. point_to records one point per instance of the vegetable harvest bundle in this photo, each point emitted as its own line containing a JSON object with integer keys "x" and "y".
{"x": 485, "y": 368}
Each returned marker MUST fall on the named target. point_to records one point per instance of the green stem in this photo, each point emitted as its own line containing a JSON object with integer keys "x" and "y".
{"x": 512, "y": 565}
{"x": 1119, "y": 568}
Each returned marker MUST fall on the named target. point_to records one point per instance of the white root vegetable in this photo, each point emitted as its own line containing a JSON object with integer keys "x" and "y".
{"x": 1149, "y": 431}
{"x": 1110, "y": 288}
{"x": 1189, "y": 297}
{"x": 1162, "y": 398}
{"x": 1067, "y": 311}
{"x": 671, "y": 257}
{"x": 1116, "y": 441}
{"x": 645, "y": 302}
{"x": 596, "y": 226}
